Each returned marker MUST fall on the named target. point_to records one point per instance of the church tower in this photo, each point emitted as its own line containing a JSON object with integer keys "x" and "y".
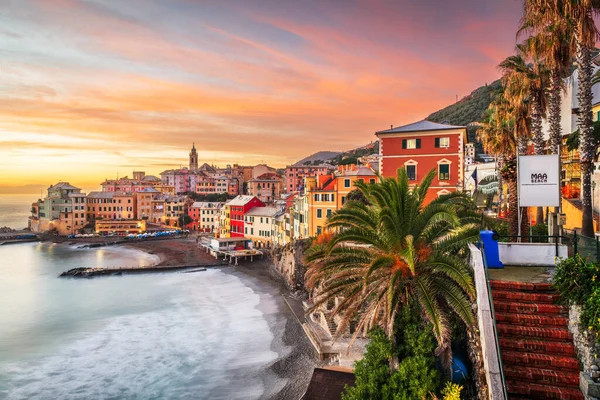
{"x": 193, "y": 158}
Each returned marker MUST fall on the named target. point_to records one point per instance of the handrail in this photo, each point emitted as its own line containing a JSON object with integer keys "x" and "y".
{"x": 493, "y": 314}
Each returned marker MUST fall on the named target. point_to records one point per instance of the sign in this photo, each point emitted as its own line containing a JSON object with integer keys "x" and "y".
{"x": 539, "y": 184}
{"x": 562, "y": 219}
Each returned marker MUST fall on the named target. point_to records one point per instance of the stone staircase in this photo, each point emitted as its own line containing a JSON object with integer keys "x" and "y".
{"x": 538, "y": 355}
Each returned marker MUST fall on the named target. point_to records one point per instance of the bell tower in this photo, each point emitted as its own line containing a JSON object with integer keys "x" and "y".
{"x": 193, "y": 158}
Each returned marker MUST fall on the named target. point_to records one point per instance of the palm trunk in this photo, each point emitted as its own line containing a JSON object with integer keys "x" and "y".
{"x": 586, "y": 145}
{"x": 522, "y": 150}
{"x": 538, "y": 137}
{"x": 513, "y": 206}
{"x": 554, "y": 119}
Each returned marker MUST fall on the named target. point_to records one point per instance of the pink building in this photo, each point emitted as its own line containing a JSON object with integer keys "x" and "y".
{"x": 295, "y": 174}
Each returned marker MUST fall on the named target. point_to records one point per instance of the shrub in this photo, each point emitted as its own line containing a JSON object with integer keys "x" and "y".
{"x": 590, "y": 315}
{"x": 576, "y": 279}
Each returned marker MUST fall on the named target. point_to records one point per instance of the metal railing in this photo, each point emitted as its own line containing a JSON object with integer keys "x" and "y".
{"x": 493, "y": 314}
{"x": 537, "y": 239}
{"x": 577, "y": 244}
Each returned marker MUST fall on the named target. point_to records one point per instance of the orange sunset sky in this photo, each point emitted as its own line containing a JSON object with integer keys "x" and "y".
{"x": 92, "y": 89}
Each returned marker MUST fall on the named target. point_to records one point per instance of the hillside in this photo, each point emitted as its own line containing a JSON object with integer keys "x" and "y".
{"x": 340, "y": 158}
{"x": 318, "y": 158}
{"x": 469, "y": 109}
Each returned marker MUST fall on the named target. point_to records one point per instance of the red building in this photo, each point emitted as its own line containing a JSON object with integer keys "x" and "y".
{"x": 421, "y": 147}
{"x": 238, "y": 207}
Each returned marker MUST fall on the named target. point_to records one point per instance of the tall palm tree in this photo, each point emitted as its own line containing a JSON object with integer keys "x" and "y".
{"x": 525, "y": 84}
{"x": 392, "y": 251}
{"x": 497, "y": 135}
{"x": 575, "y": 20}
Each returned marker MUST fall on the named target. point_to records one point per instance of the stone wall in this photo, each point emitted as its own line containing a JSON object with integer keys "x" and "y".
{"x": 588, "y": 351}
{"x": 287, "y": 261}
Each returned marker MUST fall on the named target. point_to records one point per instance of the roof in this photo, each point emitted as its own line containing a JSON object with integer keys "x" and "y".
{"x": 421, "y": 126}
{"x": 101, "y": 195}
{"x": 63, "y": 185}
{"x": 149, "y": 190}
{"x": 361, "y": 170}
{"x": 207, "y": 204}
{"x": 262, "y": 212}
{"x": 150, "y": 178}
{"x": 269, "y": 176}
{"x": 231, "y": 239}
{"x": 240, "y": 200}
{"x": 327, "y": 384}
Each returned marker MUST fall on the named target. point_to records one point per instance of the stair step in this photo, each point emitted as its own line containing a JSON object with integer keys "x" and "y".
{"x": 538, "y": 346}
{"x": 531, "y": 319}
{"x": 511, "y": 358}
{"x": 546, "y": 298}
{"x": 542, "y": 376}
{"x": 529, "y": 308}
{"x": 521, "y": 286}
{"x": 533, "y": 332}
{"x": 536, "y": 391}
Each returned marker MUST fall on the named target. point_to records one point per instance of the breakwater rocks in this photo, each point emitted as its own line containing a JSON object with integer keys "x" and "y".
{"x": 85, "y": 272}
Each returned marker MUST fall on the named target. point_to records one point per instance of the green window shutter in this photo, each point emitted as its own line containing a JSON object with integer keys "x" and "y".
{"x": 437, "y": 142}
{"x": 403, "y": 143}
{"x": 418, "y": 143}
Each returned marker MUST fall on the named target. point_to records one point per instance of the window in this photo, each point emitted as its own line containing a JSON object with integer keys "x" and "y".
{"x": 444, "y": 172}
{"x": 343, "y": 199}
{"x": 372, "y": 180}
{"x": 319, "y": 213}
{"x": 411, "y": 143}
{"x": 316, "y": 197}
{"x": 443, "y": 142}
{"x": 411, "y": 171}
{"x": 328, "y": 213}
{"x": 252, "y": 231}
{"x": 319, "y": 230}
{"x": 346, "y": 183}
{"x": 333, "y": 197}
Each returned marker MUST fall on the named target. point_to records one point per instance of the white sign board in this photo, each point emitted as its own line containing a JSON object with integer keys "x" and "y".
{"x": 539, "y": 184}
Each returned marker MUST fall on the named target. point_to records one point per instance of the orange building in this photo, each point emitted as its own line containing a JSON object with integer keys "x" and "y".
{"x": 267, "y": 187}
{"x": 422, "y": 146}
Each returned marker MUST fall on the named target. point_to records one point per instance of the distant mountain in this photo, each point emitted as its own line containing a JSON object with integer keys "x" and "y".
{"x": 318, "y": 158}
{"x": 467, "y": 110}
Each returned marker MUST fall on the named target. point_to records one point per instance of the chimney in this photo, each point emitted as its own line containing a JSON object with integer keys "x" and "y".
{"x": 391, "y": 126}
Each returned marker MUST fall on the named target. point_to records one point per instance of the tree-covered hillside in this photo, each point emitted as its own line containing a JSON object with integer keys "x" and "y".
{"x": 469, "y": 109}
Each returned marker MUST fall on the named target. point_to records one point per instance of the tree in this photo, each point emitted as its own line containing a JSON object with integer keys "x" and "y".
{"x": 395, "y": 250}
{"x": 497, "y": 135}
{"x": 357, "y": 195}
{"x": 574, "y": 19}
{"x": 183, "y": 220}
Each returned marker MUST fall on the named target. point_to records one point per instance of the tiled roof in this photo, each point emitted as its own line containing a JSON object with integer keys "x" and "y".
{"x": 101, "y": 195}
{"x": 207, "y": 204}
{"x": 63, "y": 185}
{"x": 361, "y": 170}
{"x": 262, "y": 212}
{"x": 421, "y": 126}
{"x": 240, "y": 200}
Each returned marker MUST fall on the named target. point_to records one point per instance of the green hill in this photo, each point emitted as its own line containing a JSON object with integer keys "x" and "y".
{"x": 467, "y": 110}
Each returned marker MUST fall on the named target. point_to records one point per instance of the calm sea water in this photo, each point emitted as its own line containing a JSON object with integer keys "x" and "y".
{"x": 15, "y": 209}
{"x": 159, "y": 336}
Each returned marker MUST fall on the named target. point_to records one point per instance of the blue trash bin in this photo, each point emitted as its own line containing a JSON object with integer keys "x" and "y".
{"x": 490, "y": 249}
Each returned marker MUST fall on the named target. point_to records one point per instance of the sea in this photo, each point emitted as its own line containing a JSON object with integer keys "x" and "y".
{"x": 15, "y": 209}
{"x": 203, "y": 335}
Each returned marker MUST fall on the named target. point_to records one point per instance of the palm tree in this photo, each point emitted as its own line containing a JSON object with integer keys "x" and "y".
{"x": 575, "y": 20}
{"x": 392, "y": 251}
{"x": 497, "y": 135}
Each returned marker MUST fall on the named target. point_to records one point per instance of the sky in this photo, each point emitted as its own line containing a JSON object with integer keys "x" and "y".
{"x": 92, "y": 89}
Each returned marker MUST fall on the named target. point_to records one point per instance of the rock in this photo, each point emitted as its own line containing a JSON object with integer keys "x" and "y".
{"x": 594, "y": 367}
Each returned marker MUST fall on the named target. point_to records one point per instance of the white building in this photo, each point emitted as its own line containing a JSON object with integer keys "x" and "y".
{"x": 259, "y": 224}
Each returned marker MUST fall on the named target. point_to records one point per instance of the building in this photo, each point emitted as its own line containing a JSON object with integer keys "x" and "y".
{"x": 237, "y": 209}
{"x": 469, "y": 153}
{"x": 259, "y": 225}
{"x": 205, "y": 216}
{"x": 111, "y": 206}
{"x": 267, "y": 187}
{"x": 62, "y": 211}
{"x": 421, "y": 147}
{"x": 183, "y": 180}
{"x": 120, "y": 228}
{"x": 193, "y": 158}
{"x": 140, "y": 181}
{"x": 262, "y": 169}
{"x": 174, "y": 209}
{"x": 295, "y": 174}
{"x": 301, "y": 211}
{"x": 144, "y": 203}
{"x": 326, "y": 194}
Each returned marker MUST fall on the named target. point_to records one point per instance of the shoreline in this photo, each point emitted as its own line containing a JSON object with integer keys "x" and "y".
{"x": 288, "y": 376}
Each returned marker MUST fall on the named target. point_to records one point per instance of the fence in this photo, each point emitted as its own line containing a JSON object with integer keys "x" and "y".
{"x": 585, "y": 246}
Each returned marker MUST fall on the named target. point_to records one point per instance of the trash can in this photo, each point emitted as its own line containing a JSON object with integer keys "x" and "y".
{"x": 490, "y": 249}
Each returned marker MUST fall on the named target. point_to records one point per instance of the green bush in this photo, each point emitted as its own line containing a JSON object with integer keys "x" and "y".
{"x": 578, "y": 281}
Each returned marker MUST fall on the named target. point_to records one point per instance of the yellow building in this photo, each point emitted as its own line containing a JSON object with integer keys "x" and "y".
{"x": 326, "y": 194}
{"x": 120, "y": 227}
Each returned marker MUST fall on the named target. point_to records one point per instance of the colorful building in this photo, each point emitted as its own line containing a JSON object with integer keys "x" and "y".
{"x": 259, "y": 225}
{"x": 420, "y": 147}
{"x": 139, "y": 182}
{"x": 111, "y": 206}
{"x": 62, "y": 211}
{"x": 205, "y": 216}
{"x": 326, "y": 194}
{"x": 295, "y": 174}
{"x": 238, "y": 207}
{"x": 266, "y": 187}
{"x": 120, "y": 228}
